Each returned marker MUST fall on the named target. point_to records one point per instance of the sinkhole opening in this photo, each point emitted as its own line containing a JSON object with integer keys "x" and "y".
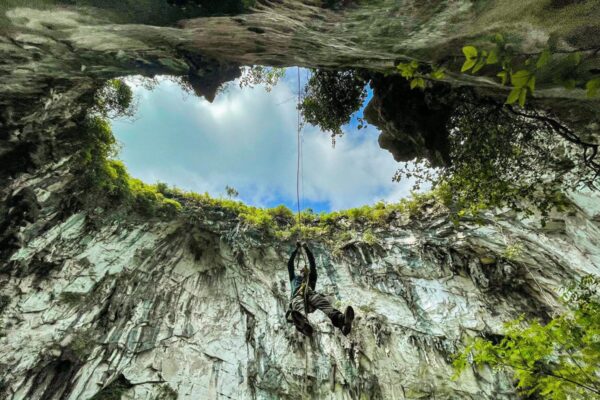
{"x": 244, "y": 144}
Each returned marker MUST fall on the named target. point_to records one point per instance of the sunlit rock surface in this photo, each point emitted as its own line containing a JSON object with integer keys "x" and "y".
{"x": 93, "y": 303}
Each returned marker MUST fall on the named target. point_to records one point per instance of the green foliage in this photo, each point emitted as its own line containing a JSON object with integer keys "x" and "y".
{"x": 381, "y": 211}
{"x": 369, "y": 237}
{"x": 522, "y": 72}
{"x": 593, "y": 87}
{"x": 166, "y": 392}
{"x": 257, "y": 218}
{"x": 281, "y": 214}
{"x": 513, "y": 251}
{"x": 281, "y": 222}
{"x": 231, "y": 192}
{"x": 559, "y": 360}
{"x": 261, "y": 75}
{"x": 331, "y": 99}
{"x": 110, "y": 179}
{"x": 114, "y": 100}
{"x": 476, "y": 59}
{"x": 252, "y": 216}
{"x": 503, "y": 157}
{"x": 114, "y": 391}
{"x": 146, "y": 199}
{"x": 522, "y": 80}
{"x": 417, "y": 73}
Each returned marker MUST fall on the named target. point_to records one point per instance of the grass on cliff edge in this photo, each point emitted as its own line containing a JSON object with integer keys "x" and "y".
{"x": 106, "y": 182}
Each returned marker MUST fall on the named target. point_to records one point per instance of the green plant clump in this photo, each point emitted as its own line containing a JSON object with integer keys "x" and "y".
{"x": 110, "y": 177}
{"x": 166, "y": 392}
{"x": 282, "y": 222}
{"x": 513, "y": 251}
{"x": 115, "y": 390}
{"x": 522, "y": 72}
{"x": 559, "y": 360}
{"x": 331, "y": 99}
{"x": 114, "y": 100}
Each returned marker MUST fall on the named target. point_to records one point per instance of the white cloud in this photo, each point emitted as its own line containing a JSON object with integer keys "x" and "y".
{"x": 247, "y": 139}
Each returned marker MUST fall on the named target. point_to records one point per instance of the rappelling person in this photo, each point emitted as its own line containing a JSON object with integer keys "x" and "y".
{"x": 306, "y": 300}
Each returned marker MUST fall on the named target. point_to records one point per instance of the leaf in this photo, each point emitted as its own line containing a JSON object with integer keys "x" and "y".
{"x": 513, "y": 96}
{"x": 592, "y": 87}
{"x": 522, "y": 97}
{"x": 480, "y": 64}
{"x": 421, "y": 83}
{"x": 438, "y": 73}
{"x": 504, "y": 76}
{"x": 520, "y": 78}
{"x": 492, "y": 57}
{"x": 406, "y": 70}
{"x": 543, "y": 59}
{"x": 531, "y": 83}
{"x": 470, "y": 63}
{"x": 414, "y": 83}
{"x": 470, "y": 52}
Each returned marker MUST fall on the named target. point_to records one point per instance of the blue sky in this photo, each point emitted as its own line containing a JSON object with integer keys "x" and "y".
{"x": 246, "y": 139}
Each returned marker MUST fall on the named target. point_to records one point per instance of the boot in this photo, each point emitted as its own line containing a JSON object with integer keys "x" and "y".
{"x": 302, "y": 323}
{"x": 348, "y": 318}
{"x": 338, "y": 320}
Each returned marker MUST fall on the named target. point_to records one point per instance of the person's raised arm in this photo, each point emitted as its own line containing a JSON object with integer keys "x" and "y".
{"x": 312, "y": 275}
{"x": 291, "y": 262}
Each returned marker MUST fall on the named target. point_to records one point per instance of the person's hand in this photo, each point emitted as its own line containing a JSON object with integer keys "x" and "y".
{"x": 305, "y": 246}
{"x": 298, "y": 244}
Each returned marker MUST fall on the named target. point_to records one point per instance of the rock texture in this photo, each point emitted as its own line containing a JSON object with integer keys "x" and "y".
{"x": 51, "y": 59}
{"x": 94, "y": 304}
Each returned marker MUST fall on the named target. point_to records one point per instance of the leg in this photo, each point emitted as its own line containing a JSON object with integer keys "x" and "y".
{"x": 300, "y": 321}
{"x": 318, "y": 301}
{"x": 339, "y": 320}
{"x": 298, "y": 304}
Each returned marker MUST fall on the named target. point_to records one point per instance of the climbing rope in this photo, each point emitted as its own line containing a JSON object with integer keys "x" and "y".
{"x": 299, "y": 159}
{"x": 299, "y": 182}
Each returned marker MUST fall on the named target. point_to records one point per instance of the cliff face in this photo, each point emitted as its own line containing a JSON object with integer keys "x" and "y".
{"x": 106, "y": 305}
{"x": 95, "y": 304}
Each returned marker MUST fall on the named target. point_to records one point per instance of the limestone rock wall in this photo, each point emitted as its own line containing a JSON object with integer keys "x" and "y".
{"x": 93, "y": 304}
{"x": 96, "y": 304}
